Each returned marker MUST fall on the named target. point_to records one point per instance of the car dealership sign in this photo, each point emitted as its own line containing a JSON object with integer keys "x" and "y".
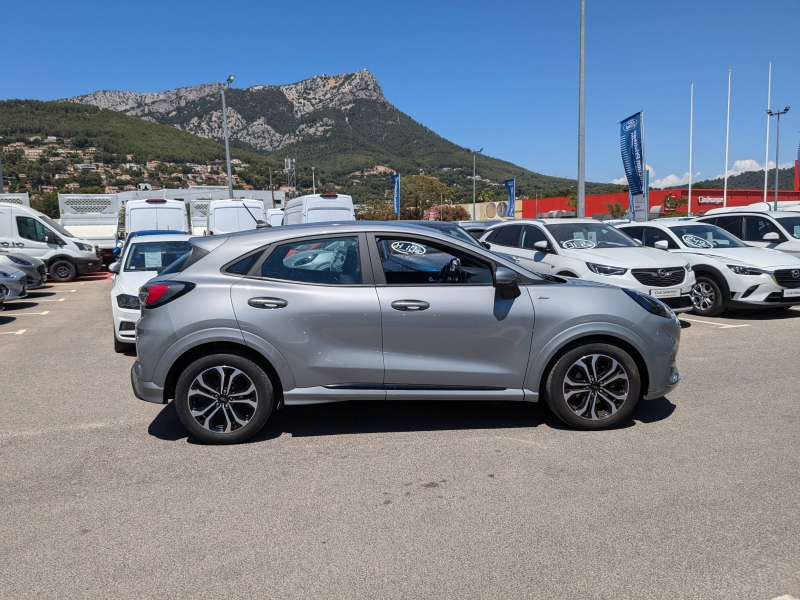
{"x": 709, "y": 200}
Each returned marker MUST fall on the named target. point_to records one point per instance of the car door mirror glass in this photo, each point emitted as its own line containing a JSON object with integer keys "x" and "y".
{"x": 661, "y": 245}
{"x": 771, "y": 237}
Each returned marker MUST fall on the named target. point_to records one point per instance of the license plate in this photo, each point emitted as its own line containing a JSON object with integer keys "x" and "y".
{"x": 795, "y": 293}
{"x": 676, "y": 293}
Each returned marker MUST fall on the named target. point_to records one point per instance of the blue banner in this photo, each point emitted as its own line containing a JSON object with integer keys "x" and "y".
{"x": 511, "y": 189}
{"x": 396, "y": 183}
{"x": 631, "y": 143}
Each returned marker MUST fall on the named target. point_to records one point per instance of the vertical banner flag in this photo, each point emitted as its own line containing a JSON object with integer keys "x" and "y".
{"x": 511, "y": 189}
{"x": 797, "y": 171}
{"x": 396, "y": 183}
{"x": 631, "y": 143}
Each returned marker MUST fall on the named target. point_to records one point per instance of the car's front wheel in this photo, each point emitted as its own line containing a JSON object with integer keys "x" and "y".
{"x": 223, "y": 398}
{"x": 707, "y": 297}
{"x": 62, "y": 271}
{"x": 594, "y": 386}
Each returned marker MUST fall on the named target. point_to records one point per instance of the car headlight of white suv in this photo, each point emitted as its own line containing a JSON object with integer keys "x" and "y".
{"x": 742, "y": 270}
{"x": 606, "y": 269}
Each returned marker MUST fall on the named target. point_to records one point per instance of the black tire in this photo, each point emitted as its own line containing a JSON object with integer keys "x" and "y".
{"x": 598, "y": 412}
{"x": 188, "y": 396}
{"x": 62, "y": 271}
{"x": 120, "y": 347}
{"x": 707, "y": 297}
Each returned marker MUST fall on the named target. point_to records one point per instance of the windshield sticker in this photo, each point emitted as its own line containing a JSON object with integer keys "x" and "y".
{"x": 578, "y": 244}
{"x": 407, "y": 248}
{"x": 593, "y": 237}
{"x": 152, "y": 260}
{"x": 797, "y": 231}
{"x": 694, "y": 241}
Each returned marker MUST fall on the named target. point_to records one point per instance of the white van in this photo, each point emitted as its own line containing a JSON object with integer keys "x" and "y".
{"x": 156, "y": 214}
{"x": 275, "y": 217}
{"x": 198, "y": 215}
{"x": 319, "y": 208}
{"x": 93, "y": 217}
{"x": 230, "y": 216}
{"x": 27, "y": 231}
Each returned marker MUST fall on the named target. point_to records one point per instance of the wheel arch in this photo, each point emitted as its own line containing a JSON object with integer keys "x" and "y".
{"x": 58, "y": 257}
{"x": 716, "y": 274}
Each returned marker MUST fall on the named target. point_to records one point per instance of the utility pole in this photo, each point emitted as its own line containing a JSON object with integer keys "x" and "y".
{"x": 727, "y": 140}
{"x": 766, "y": 157}
{"x": 581, "y": 208}
{"x": 777, "y": 148}
{"x": 2, "y": 189}
{"x": 271, "y": 189}
{"x": 313, "y": 182}
{"x": 474, "y": 152}
{"x": 222, "y": 89}
{"x": 691, "y": 130}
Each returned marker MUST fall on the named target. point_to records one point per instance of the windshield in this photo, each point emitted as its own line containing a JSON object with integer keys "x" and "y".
{"x": 56, "y": 227}
{"x": 792, "y": 225}
{"x": 154, "y": 256}
{"x": 707, "y": 237}
{"x": 584, "y": 236}
{"x": 454, "y": 231}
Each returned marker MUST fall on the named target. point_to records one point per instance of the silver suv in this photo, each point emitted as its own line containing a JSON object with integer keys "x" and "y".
{"x": 246, "y": 323}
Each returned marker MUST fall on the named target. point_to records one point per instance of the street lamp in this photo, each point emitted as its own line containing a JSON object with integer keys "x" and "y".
{"x": 474, "y": 152}
{"x": 777, "y": 148}
{"x": 222, "y": 88}
{"x": 2, "y": 189}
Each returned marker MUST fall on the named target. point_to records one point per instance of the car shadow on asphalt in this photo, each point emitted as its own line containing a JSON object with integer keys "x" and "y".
{"x": 43, "y": 293}
{"x": 5, "y": 319}
{"x": 766, "y": 314}
{"x": 348, "y": 418}
{"x": 18, "y": 305}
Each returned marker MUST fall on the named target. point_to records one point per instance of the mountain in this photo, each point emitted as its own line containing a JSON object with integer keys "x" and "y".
{"x": 750, "y": 180}
{"x": 342, "y": 125}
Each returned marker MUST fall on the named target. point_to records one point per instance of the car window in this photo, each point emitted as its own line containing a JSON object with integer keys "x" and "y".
{"x": 584, "y": 236}
{"x": 755, "y": 228}
{"x": 654, "y": 234}
{"x": 506, "y": 236}
{"x": 530, "y": 235}
{"x": 412, "y": 262}
{"x": 154, "y": 256}
{"x": 705, "y": 236}
{"x": 31, "y": 229}
{"x": 329, "y": 261}
{"x": 732, "y": 224}
{"x": 792, "y": 225}
{"x": 635, "y": 232}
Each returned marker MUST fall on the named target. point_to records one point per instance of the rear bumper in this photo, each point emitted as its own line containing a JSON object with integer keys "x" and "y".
{"x": 146, "y": 390}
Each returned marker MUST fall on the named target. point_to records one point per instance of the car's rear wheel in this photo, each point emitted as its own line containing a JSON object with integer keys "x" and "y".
{"x": 594, "y": 386}
{"x": 63, "y": 271}
{"x": 223, "y": 398}
{"x": 707, "y": 297}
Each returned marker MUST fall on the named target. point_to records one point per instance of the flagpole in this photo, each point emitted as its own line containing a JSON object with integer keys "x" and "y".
{"x": 691, "y": 131}
{"x": 581, "y": 199}
{"x": 727, "y": 140}
{"x": 766, "y": 159}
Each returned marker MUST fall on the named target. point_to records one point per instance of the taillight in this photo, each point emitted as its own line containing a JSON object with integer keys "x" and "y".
{"x": 153, "y": 295}
{"x": 210, "y": 233}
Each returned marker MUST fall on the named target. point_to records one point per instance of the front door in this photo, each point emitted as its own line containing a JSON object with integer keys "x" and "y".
{"x": 446, "y": 329}
{"x": 315, "y": 302}
{"x": 29, "y": 237}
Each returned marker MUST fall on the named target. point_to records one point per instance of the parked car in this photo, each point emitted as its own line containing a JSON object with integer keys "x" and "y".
{"x": 143, "y": 257}
{"x": 477, "y": 228}
{"x": 29, "y": 232}
{"x": 156, "y": 213}
{"x": 449, "y": 228}
{"x": 14, "y": 282}
{"x": 594, "y": 251}
{"x": 233, "y": 330}
{"x": 34, "y": 269}
{"x": 728, "y": 272}
{"x": 776, "y": 230}
{"x": 230, "y": 216}
{"x": 319, "y": 208}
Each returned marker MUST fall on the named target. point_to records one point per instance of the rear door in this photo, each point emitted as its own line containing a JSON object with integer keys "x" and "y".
{"x": 171, "y": 219}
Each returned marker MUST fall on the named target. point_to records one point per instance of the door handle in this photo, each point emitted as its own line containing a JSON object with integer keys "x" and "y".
{"x": 412, "y": 305}
{"x": 267, "y": 303}
{"x": 3, "y": 243}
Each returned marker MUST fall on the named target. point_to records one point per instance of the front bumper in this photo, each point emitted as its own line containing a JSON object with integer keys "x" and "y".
{"x": 124, "y": 322}
{"x": 663, "y": 338}
{"x": 145, "y": 390}
{"x": 759, "y": 291}
{"x": 88, "y": 265}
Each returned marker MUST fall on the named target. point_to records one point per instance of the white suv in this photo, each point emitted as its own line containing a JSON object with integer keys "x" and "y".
{"x": 595, "y": 251}
{"x": 729, "y": 273}
{"x": 775, "y": 230}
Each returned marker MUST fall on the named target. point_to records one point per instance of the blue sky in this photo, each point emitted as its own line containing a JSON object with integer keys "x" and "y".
{"x": 501, "y": 74}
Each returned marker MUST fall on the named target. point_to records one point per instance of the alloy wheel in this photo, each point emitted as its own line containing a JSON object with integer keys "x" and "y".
{"x": 703, "y": 296}
{"x": 596, "y": 386}
{"x": 222, "y": 399}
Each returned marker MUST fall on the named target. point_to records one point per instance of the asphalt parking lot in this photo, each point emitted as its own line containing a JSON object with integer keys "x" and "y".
{"x": 104, "y": 496}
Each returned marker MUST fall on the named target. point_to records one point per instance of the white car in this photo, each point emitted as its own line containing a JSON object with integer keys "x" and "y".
{"x": 592, "y": 250}
{"x": 767, "y": 229}
{"x": 142, "y": 258}
{"x": 729, "y": 273}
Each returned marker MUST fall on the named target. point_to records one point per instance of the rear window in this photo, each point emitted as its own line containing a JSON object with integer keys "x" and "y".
{"x": 154, "y": 256}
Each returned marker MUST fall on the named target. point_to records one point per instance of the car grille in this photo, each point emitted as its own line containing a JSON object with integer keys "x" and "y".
{"x": 788, "y": 278}
{"x": 659, "y": 277}
{"x": 677, "y": 303}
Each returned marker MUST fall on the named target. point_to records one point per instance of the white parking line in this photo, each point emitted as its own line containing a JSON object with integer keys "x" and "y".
{"x": 20, "y": 332}
{"x": 16, "y": 314}
{"x": 53, "y": 291}
{"x": 720, "y": 325}
{"x": 37, "y": 300}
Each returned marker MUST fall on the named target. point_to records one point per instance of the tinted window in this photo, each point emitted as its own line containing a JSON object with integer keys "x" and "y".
{"x": 732, "y": 225}
{"x": 583, "y": 236}
{"x": 31, "y": 229}
{"x": 653, "y": 235}
{"x": 530, "y": 235}
{"x": 506, "y": 236}
{"x": 331, "y": 261}
{"x": 634, "y": 232}
{"x": 154, "y": 256}
{"x": 792, "y": 225}
{"x": 412, "y": 262}
{"x": 706, "y": 236}
{"x": 755, "y": 228}
{"x": 243, "y": 265}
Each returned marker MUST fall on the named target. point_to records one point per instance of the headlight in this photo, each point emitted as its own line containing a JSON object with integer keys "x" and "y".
{"x": 19, "y": 261}
{"x": 84, "y": 247}
{"x": 3, "y": 289}
{"x": 128, "y": 301}
{"x": 606, "y": 270}
{"x": 650, "y": 304}
{"x": 741, "y": 270}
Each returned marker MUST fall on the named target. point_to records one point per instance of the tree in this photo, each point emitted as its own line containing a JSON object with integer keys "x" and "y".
{"x": 446, "y": 212}
{"x": 672, "y": 204}
{"x": 375, "y": 210}
{"x": 420, "y": 192}
{"x": 47, "y": 204}
{"x": 616, "y": 210}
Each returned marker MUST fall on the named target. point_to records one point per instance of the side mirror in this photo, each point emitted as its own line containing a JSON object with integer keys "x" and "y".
{"x": 486, "y": 245}
{"x": 542, "y": 246}
{"x": 772, "y": 236}
{"x": 661, "y": 245}
{"x": 51, "y": 238}
{"x": 506, "y": 281}
{"x": 113, "y": 268}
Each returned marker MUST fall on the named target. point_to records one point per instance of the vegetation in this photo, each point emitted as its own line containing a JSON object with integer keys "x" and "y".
{"x": 617, "y": 210}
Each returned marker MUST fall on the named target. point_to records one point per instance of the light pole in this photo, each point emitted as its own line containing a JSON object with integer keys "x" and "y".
{"x": 474, "y": 152}
{"x": 222, "y": 88}
{"x": 777, "y": 148}
{"x": 581, "y": 200}
{"x": 727, "y": 140}
{"x": 2, "y": 189}
{"x": 313, "y": 181}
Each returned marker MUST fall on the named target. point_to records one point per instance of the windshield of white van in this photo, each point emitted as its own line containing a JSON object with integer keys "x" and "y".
{"x": 56, "y": 227}
{"x": 154, "y": 256}
{"x": 584, "y": 236}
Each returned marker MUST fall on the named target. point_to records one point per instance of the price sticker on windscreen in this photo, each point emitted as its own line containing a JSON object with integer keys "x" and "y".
{"x": 796, "y": 231}
{"x": 152, "y": 260}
